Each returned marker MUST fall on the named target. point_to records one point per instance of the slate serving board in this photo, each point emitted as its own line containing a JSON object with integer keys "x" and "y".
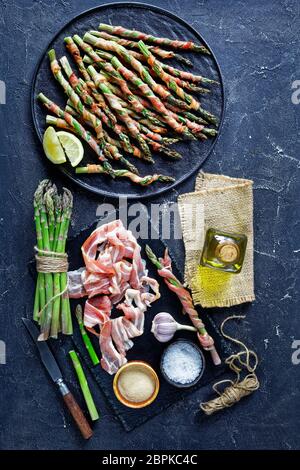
{"x": 146, "y": 347}
{"x": 155, "y": 21}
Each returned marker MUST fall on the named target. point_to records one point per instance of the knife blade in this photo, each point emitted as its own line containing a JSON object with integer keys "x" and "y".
{"x": 46, "y": 355}
{"x": 54, "y": 371}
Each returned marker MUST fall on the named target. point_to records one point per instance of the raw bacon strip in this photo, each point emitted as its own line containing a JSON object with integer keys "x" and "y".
{"x": 149, "y": 297}
{"x": 135, "y": 316}
{"x": 138, "y": 268}
{"x": 114, "y": 272}
{"x": 120, "y": 281}
{"x": 97, "y": 311}
{"x": 95, "y": 283}
{"x": 120, "y": 335}
{"x": 111, "y": 360}
{"x": 102, "y": 264}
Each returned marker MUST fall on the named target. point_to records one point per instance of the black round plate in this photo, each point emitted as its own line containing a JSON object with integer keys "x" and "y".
{"x": 158, "y": 22}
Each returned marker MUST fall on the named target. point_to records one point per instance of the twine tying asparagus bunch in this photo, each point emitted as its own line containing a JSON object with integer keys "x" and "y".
{"x": 52, "y": 214}
{"x": 51, "y": 261}
{"x": 238, "y": 388}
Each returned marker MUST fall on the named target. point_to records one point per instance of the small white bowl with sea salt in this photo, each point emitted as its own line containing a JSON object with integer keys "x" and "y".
{"x": 182, "y": 363}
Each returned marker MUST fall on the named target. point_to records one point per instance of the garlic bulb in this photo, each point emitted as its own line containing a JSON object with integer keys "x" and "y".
{"x": 164, "y": 327}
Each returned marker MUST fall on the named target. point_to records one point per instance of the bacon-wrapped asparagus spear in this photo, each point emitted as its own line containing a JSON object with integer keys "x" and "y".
{"x": 146, "y": 90}
{"x": 118, "y": 109}
{"x": 110, "y": 70}
{"x": 109, "y": 149}
{"x": 88, "y": 100}
{"x": 158, "y": 129}
{"x": 160, "y": 148}
{"x": 62, "y": 124}
{"x": 194, "y": 127}
{"x": 79, "y": 129}
{"x": 114, "y": 152}
{"x": 108, "y": 55}
{"x": 164, "y": 269}
{"x": 196, "y": 124}
{"x": 188, "y": 76}
{"x": 137, "y": 35}
{"x": 136, "y": 151}
{"x": 189, "y": 115}
{"x": 153, "y": 140}
{"x": 182, "y": 74}
{"x": 189, "y": 119}
{"x": 166, "y": 78}
{"x": 183, "y": 78}
{"x": 124, "y": 92}
{"x": 158, "y": 144}
{"x": 141, "y": 180}
{"x": 182, "y": 83}
{"x": 199, "y": 130}
{"x": 86, "y": 115}
{"x": 177, "y": 79}
{"x": 135, "y": 64}
{"x": 91, "y": 87}
{"x": 155, "y": 136}
{"x": 157, "y": 104}
{"x": 120, "y": 131}
{"x": 133, "y": 45}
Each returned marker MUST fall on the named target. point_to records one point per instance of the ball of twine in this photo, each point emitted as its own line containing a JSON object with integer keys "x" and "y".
{"x": 238, "y": 388}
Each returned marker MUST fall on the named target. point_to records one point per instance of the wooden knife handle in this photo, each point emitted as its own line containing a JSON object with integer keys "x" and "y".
{"x": 78, "y": 415}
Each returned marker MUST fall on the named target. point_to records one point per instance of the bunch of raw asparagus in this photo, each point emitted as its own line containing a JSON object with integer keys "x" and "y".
{"x": 52, "y": 214}
{"x": 126, "y": 100}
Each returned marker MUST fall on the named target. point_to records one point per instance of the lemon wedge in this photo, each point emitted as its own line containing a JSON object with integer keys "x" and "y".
{"x": 72, "y": 147}
{"x": 52, "y": 147}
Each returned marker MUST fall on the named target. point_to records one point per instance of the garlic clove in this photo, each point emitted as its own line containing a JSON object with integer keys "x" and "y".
{"x": 163, "y": 327}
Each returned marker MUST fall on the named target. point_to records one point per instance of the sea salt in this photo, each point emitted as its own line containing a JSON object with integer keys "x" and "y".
{"x": 182, "y": 363}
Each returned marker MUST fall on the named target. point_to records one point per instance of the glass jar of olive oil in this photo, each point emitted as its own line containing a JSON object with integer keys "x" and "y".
{"x": 224, "y": 251}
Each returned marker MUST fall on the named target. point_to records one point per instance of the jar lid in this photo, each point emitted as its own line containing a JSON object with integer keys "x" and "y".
{"x": 228, "y": 252}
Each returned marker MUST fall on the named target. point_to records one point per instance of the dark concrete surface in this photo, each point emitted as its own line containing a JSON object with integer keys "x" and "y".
{"x": 257, "y": 45}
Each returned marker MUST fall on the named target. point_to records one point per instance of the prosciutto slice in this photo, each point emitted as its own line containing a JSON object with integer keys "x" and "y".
{"x": 114, "y": 274}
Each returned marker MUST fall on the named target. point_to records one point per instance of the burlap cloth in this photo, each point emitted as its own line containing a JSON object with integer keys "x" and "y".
{"x": 226, "y": 204}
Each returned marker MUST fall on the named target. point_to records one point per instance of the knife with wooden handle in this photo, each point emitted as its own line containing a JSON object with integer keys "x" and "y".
{"x": 55, "y": 373}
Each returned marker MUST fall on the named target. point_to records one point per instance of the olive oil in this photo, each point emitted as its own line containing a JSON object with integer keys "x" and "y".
{"x": 224, "y": 251}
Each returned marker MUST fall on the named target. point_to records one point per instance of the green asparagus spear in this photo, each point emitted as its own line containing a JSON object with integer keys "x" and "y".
{"x": 85, "y": 337}
{"x": 40, "y": 295}
{"x": 84, "y": 386}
